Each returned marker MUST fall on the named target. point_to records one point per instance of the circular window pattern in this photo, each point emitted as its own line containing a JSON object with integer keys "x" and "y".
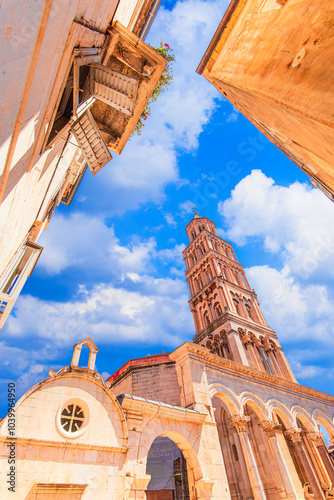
{"x": 72, "y": 417}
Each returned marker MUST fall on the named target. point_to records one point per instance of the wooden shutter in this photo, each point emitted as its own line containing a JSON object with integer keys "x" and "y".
{"x": 91, "y": 142}
{"x": 113, "y": 88}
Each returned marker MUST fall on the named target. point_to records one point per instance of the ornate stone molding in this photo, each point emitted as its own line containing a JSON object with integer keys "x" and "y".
{"x": 269, "y": 427}
{"x": 294, "y": 435}
{"x": 316, "y": 437}
{"x": 240, "y": 422}
{"x": 235, "y": 367}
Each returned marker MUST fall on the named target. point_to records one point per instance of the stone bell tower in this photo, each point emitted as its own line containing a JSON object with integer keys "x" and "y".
{"x": 227, "y": 315}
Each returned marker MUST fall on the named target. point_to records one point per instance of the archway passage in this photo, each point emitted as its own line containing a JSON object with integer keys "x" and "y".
{"x": 168, "y": 470}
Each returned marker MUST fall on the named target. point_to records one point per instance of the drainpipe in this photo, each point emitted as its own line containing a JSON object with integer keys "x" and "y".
{"x": 149, "y": 20}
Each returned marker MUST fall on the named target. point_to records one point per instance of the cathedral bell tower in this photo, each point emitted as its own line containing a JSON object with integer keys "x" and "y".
{"x": 227, "y": 315}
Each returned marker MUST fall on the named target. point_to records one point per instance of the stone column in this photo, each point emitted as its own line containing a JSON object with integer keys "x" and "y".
{"x": 269, "y": 428}
{"x": 240, "y": 422}
{"x": 295, "y": 437}
{"x": 76, "y": 355}
{"x": 317, "y": 438}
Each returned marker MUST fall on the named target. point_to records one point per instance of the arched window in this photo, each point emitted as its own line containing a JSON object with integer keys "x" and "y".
{"x": 218, "y": 311}
{"x": 250, "y": 312}
{"x": 206, "y": 319}
{"x": 235, "y": 453}
{"x": 239, "y": 280}
{"x": 237, "y": 307}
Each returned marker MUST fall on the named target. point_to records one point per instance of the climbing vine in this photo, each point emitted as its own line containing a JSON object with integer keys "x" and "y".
{"x": 164, "y": 80}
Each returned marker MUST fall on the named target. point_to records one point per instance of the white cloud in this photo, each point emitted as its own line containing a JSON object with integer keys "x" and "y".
{"x": 232, "y": 117}
{"x": 186, "y": 207}
{"x": 294, "y": 221}
{"x": 154, "y": 309}
{"x": 86, "y": 242}
{"x": 170, "y": 220}
{"x": 297, "y": 313}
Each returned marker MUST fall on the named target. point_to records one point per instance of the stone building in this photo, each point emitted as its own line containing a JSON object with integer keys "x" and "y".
{"x": 219, "y": 418}
{"x": 273, "y": 60}
{"x": 75, "y": 77}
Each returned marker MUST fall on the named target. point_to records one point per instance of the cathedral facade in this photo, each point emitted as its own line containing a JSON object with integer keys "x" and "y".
{"x": 221, "y": 417}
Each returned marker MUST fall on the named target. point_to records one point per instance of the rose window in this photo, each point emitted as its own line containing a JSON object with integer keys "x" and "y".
{"x": 72, "y": 418}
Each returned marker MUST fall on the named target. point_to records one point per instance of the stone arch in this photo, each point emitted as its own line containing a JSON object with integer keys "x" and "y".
{"x": 282, "y": 411}
{"x": 93, "y": 350}
{"x": 255, "y": 403}
{"x": 188, "y": 452}
{"x": 327, "y": 424}
{"x": 230, "y": 400}
{"x": 300, "y": 413}
{"x": 195, "y": 474}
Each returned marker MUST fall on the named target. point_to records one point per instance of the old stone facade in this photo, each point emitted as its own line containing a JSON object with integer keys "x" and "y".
{"x": 272, "y": 60}
{"x": 220, "y": 418}
{"x": 75, "y": 78}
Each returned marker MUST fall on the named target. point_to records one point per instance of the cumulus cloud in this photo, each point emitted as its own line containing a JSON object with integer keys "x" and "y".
{"x": 293, "y": 221}
{"x": 298, "y": 312}
{"x": 87, "y": 243}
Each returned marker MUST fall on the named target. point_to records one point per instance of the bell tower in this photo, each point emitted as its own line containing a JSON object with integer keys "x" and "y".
{"x": 227, "y": 315}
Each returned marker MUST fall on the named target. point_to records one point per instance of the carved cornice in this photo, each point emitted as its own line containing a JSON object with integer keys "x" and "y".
{"x": 64, "y": 444}
{"x": 240, "y": 422}
{"x": 247, "y": 371}
{"x": 77, "y": 369}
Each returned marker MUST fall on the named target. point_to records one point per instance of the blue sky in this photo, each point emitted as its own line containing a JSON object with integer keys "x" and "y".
{"x": 112, "y": 262}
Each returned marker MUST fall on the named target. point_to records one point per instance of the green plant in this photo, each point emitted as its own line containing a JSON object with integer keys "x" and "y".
{"x": 164, "y": 80}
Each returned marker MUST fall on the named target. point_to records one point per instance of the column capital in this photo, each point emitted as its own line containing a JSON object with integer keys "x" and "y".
{"x": 269, "y": 427}
{"x": 316, "y": 437}
{"x": 294, "y": 434}
{"x": 240, "y": 422}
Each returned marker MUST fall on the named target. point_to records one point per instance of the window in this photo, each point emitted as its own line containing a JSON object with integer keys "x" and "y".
{"x": 15, "y": 276}
{"x": 237, "y": 307}
{"x": 72, "y": 418}
{"x": 218, "y": 311}
{"x": 78, "y": 168}
{"x": 250, "y": 312}
{"x": 75, "y": 91}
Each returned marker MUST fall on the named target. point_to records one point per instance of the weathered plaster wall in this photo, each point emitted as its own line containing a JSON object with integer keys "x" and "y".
{"x": 272, "y": 62}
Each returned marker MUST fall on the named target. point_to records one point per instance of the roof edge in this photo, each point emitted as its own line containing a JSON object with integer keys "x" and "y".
{"x": 221, "y": 27}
